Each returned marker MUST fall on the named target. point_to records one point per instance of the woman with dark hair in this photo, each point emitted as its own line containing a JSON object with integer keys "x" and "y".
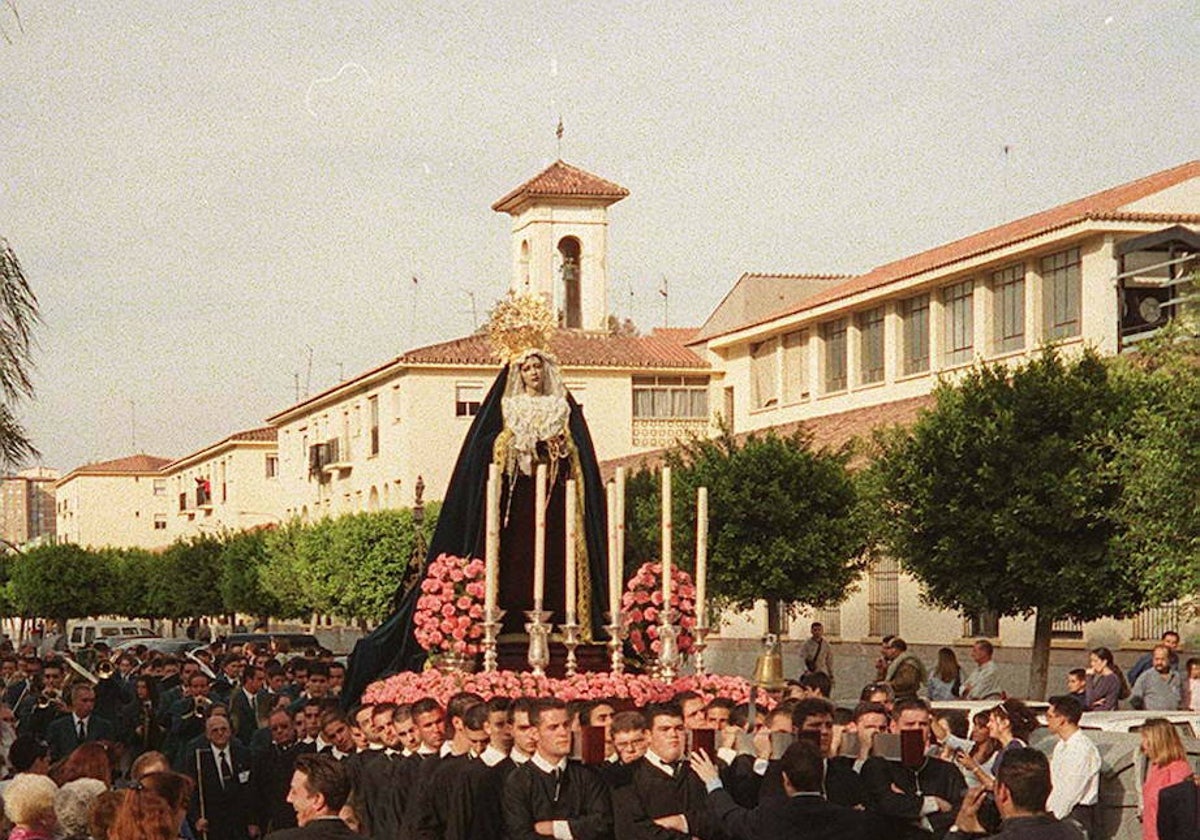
{"x": 1010, "y": 723}
{"x": 946, "y": 677}
{"x": 90, "y": 760}
{"x": 1104, "y": 682}
{"x": 140, "y": 717}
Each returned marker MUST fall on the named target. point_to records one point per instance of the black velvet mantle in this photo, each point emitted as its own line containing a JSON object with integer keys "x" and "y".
{"x": 392, "y": 646}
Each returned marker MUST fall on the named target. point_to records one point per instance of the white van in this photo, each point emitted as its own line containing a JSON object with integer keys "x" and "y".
{"x": 83, "y": 633}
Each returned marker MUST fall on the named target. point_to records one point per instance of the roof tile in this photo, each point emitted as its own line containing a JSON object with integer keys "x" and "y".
{"x": 140, "y": 463}
{"x": 561, "y": 180}
{"x": 829, "y": 431}
{"x": 662, "y": 348}
{"x": 1102, "y": 206}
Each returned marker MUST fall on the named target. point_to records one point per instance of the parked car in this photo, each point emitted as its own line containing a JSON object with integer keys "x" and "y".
{"x": 297, "y": 642}
{"x": 173, "y": 647}
{"x": 80, "y": 634}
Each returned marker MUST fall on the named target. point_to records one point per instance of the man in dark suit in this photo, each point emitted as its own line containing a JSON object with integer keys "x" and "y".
{"x": 221, "y": 803}
{"x": 271, "y": 773}
{"x": 69, "y": 731}
{"x": 664, "y": 798}
{"x": 802, "y": 814}
{"x": 1179, "y": 811}
{"x": 320, "y": 787}
{"x": 243, "y": 705}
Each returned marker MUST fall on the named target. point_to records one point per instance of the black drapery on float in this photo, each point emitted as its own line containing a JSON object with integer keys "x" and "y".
{"x": 460, "y": 531}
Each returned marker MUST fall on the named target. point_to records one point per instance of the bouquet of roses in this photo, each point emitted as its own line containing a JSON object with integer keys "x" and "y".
{"x": 449, "y": 611}
{"x": 639, "y": 689}
{"x": 642, "y": 605}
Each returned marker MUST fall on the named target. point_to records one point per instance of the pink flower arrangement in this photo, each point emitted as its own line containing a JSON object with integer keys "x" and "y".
{"x": 642, "y": 605}
{"x": 449, "y": 611}
{"x": 639, "y": 689}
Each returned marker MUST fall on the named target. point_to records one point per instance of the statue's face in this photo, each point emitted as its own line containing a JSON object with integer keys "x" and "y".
{"x": 532, "y": 375}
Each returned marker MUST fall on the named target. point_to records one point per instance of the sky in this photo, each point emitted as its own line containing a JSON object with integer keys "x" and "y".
{"x": 221, "y": 205}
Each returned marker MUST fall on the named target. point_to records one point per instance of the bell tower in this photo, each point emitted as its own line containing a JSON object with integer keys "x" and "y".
{"x": 560, "y": 241}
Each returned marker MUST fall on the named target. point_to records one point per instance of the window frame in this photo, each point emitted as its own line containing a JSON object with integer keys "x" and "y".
{"x": 1062, "y": 284}
{"x": 835, "y": 369}
{"x": 1007, "y": 313}
{"x": 958, "y": 320}
{"x": 871, "y": 349}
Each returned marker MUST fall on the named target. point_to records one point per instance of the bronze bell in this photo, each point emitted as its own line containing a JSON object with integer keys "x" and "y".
{"x": 768, "y": 669}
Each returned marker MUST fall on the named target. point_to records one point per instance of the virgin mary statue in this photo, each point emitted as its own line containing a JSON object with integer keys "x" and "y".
{"x": 528, "y": 418}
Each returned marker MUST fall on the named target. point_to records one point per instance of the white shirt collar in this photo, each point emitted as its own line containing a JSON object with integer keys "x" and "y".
{"x": 447, "y": 749}
{"x": 518, "y": 757}
{"x": 491, "y": 756}
{"x": 657, "y": 761}
{"x": 545, "y": 766}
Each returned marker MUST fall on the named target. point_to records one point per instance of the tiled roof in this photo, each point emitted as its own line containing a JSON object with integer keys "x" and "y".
{"x": 561, "y": 180}
{"x": 265, "y": 433}
{"x": 829, "y": 431}
{"x": 131, "y": 464}
{"x": 662, "y": 348}
{"x": 755, "y": 296}
{"x": 1102, "y": 206}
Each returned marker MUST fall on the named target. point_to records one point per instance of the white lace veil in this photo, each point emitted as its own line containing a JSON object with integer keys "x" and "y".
{"x": 532, "y": 418}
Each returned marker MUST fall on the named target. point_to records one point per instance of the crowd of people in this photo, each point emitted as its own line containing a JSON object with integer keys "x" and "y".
{"x": 1158, "y": 681}
{"x": 230, "y": 744}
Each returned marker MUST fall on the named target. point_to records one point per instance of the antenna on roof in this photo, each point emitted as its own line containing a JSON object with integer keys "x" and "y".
{"x": 558, "y": 132}
{"x": 474, "y": 313}
{"x": 308, "y": 374}
{"x": 133, "y": 426}
{"x": 665, "y": 291}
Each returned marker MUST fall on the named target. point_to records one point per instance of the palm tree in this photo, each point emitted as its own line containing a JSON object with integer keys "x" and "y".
{"x": 18, "y": 316}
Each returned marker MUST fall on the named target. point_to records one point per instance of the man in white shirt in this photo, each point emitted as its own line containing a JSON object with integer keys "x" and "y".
{"x": 1074, "y": 765}
{"x": 985, "y": 682}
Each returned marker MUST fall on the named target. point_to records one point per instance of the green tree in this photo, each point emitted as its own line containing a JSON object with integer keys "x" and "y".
{"x": 350, "y": 566}
{"x": 1158, "y": 461}
{"x": 1001, "y": 497}
{"x": 58, "y": 581}
{"x": 186, "y": 580}
{"x": 783, "y": 519}
{"x": 243, "y": 558}
{"x": 18, "y": 317}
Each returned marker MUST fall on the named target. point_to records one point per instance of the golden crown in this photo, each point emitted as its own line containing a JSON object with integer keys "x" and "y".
{"x": 519, "y": 323}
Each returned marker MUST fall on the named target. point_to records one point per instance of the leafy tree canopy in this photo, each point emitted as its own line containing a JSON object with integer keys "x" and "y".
{"x": 1002, "y": 497}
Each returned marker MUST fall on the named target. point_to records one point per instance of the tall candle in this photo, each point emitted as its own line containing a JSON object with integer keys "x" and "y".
{"x": 701, "y": 554}
{"x": 621, "y": 515}
{"x": 539, "y": 537}
{"x": 570, "y": 551}
{"x": 666, "y": 543}
{"x": 615, "y": 584}
{"x": 492, "y": 546}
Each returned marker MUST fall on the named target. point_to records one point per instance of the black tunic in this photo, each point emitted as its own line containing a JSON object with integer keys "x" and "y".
{"x": 651, "y": 794}
{"x": 580, "y": 797}
{"x": 883, "y": 777}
